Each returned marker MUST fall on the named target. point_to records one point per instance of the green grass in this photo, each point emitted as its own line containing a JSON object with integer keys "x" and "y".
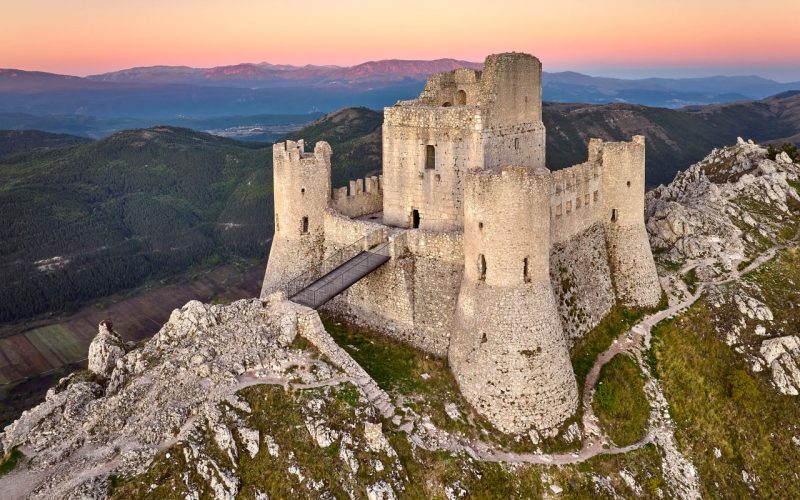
{"x": 718, "y": 403}
{"x": 398, "y": 368}
{"x": 10, "y": 460}
{"x": 598, "y": 339}
{"x": 620, "y": 402}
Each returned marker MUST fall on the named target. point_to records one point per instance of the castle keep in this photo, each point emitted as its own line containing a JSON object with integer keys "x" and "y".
{"x": 494, "y": 261}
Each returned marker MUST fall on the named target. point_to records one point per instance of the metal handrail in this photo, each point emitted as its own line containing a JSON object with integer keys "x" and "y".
{"x": 309, "y": 276}
{"x": 328, "y": 289}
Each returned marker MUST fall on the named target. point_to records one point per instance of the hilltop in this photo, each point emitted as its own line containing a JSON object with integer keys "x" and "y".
{"x": 698, "y": 399}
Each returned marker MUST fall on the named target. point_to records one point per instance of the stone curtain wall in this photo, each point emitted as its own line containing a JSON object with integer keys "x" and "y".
{"x": 412, "y": 297}
{"x": 576, "y": 201}
{"x": 360, "y": 197}
{"x": 582, "y": 281}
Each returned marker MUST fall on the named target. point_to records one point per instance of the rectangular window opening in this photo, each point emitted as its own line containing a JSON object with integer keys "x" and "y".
{"x": 430, "y": 157}
{"x": 525, "y": 272}
{"x": 305, "y": 225}
{"x": 481, "y": 268}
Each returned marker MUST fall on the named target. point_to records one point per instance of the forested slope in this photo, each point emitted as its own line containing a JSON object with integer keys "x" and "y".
{"x": 85, "y": 221}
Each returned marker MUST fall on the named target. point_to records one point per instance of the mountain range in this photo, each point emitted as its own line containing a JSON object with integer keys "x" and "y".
{"x": 163, "y": 92}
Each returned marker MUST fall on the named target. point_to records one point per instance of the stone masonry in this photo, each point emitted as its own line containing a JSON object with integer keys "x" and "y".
{"x": 496, "y": 262}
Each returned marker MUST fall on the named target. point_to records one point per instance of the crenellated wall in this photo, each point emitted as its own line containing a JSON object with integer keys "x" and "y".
{"x": 360, "y": 197}
{"x": 576, "y": 200}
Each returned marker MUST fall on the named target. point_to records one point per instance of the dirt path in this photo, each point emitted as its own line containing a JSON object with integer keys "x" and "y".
{"x": 678, "y": 470}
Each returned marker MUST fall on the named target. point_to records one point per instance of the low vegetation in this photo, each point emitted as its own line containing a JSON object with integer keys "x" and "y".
{"x": 9, "y": 461}
{"x": 620, "y": 402}
{"x": 732, "y": 424}
{"x": 585, "y": 350}
{"x": 426, "y": 384}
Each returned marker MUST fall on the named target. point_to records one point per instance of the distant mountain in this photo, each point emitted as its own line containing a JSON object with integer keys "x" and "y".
{"x": 265, "y": 75}
{"x": 163, "y": 92}
{"x": 263, "y": 128}
{"x": 665, "y": 92}
{"x": 21, "y": 141}
{"x": 675, "y": 138}
{"x": 156, "y": 201}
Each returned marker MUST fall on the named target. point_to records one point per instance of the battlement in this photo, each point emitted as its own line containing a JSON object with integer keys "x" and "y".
{"x": 360, "y": 197}
{"x": 507, "y": 91}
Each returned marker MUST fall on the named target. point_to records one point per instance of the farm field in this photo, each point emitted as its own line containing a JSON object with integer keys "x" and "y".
{"x": 33, "y": 349}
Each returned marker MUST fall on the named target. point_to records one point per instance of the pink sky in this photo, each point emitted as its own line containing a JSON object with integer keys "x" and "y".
{"x": 93, "y": 36}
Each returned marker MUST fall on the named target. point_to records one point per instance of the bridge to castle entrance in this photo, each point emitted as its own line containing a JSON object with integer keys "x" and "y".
{"x": 338, "y": 273}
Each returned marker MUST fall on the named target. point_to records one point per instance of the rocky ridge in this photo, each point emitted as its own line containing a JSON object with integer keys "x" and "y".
{"x": 711, "y": 222}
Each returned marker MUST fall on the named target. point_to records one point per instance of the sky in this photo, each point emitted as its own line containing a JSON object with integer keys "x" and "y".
{"x": 625, "y": 38}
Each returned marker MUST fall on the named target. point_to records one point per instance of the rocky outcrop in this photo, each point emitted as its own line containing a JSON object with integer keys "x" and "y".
{"x": 104, "y": 351}
{"x": 782, "y": 355}
{"x": 153, "y": 396}
{"x": 710, "y": 211}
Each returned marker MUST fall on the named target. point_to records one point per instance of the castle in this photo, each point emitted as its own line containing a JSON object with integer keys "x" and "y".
{"x": 494, "y": 261}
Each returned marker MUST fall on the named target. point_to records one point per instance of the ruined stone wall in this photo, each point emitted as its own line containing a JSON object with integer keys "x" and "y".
{"x": 576, "y": 200}
{"x": 631, "y": 259}
{"x": 582, "y": 281}
{"x": 412, "y": 297}
{"x": 360, "y": 197}
{"x": 508, "y": 351}
{"x": 302, "y": 186}
{"x": 455, "y": 133}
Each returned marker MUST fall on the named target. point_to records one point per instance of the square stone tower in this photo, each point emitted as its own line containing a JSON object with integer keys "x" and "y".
{"x": 464, "y": 120}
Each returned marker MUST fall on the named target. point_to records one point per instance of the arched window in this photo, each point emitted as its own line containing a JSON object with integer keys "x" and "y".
{"x": 461, "y": 98}
{"x": 447, "y": 104}
{"x": 430, "y": 157}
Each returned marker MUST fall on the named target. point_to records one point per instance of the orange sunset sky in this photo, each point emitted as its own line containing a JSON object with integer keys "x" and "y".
{"x": 622, "y": 37}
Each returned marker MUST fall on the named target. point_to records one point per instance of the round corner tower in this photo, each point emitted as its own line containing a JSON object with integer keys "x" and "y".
{"x": 632, "y": 264}
{"x": 508, "y": 350}
{"x": 302, "y": 191}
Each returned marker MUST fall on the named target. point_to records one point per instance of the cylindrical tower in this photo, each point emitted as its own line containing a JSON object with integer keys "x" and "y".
{"x": 632, "y": 265}
{"x": 508, "y": 351}
{"x": 302, "y": 192}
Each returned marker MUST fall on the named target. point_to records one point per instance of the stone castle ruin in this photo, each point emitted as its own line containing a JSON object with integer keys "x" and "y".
{"x": 467, "y": 246}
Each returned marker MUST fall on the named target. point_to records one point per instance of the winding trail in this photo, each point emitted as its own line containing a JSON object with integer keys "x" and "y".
{"x": 678, "y": 470}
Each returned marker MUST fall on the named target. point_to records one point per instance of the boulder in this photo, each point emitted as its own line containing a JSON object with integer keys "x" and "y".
{"x": 104, "y": 351}
{"x": 782, "y": 355}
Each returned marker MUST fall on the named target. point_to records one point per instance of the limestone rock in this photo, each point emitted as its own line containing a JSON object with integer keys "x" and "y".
{"x": 782, "y": 355}
{"x": 707, "y": 212}
{"x": 104, "y": 351}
